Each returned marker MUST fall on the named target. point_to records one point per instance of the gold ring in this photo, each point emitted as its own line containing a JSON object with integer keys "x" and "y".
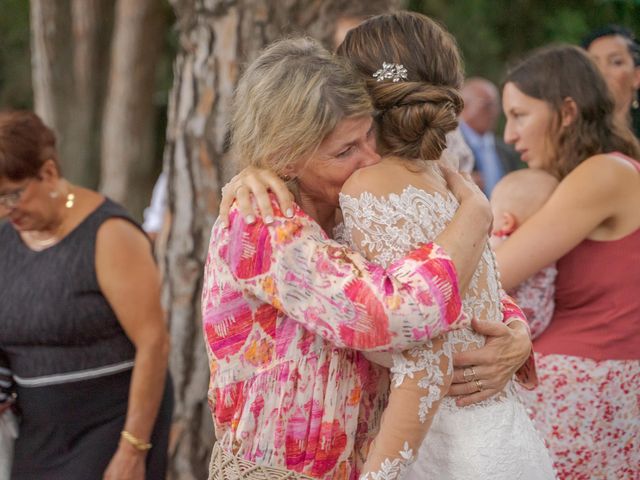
{"x": 471, "y": 372}
{"x": 478, "y": 384}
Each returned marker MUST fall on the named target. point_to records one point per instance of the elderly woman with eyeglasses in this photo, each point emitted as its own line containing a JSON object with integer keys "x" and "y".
{"x": 82, "y": 326}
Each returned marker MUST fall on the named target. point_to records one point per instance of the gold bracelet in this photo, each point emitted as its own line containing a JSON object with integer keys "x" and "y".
{"x": 136, "y": 442}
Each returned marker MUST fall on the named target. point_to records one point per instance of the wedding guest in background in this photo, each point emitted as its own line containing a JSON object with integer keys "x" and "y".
{"x": 492, "y": 158}
{"x": 616, "y": 51}
{"x": 560, "y": 117}
{"x": 82, "y": 327}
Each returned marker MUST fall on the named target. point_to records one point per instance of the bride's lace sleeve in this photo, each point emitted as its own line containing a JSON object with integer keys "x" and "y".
{"x": 420, "y": 376}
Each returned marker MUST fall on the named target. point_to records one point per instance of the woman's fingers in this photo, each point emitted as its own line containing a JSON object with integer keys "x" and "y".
{"x": 256, "y": 187}
{"x": 283, "y": 195}
{"x": 455, "y": 182}
{"x": 466, "y": 400}
{"x": 469, "y": 373}
{"x": 253, "y": 185}
{"x": 228, "y": 196}
{"x": 243, "y": 200}
{"x": 472, "y": 386}
{"x": 466, "y": 384}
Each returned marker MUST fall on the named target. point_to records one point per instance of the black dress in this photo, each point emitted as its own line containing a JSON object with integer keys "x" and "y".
{"x": 70, "y": 358}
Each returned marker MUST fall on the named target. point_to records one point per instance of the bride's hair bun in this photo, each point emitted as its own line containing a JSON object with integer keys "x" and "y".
{"x": 414, "y": 117}
{"x": 416, "y": 111}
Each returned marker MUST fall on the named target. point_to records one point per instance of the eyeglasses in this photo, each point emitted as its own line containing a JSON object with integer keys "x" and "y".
{"x": 12, "y": 199}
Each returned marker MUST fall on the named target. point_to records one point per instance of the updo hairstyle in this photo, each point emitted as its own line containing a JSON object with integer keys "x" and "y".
{"x": 413, "y": 115}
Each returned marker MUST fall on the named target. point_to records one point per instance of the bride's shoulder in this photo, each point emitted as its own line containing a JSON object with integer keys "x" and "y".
{"x": 377, "y": 179}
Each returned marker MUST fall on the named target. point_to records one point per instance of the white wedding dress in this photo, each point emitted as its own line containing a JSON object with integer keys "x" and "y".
{"x": 492, "y": 440}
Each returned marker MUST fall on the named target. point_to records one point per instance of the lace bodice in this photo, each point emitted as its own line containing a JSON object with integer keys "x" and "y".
{"x": 385, "y": 228}
{"x": 389, "y": 227}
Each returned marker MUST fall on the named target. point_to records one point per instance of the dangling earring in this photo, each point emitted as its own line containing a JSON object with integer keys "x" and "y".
{"x": 71, "y": 199}
{"x": 635, "y": 104}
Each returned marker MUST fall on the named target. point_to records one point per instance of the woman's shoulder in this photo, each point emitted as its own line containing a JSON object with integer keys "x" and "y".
{"x": 116, "y": 228}
{"x": 378, "y": 179}
{"x": 614, "y": 162}
{"x": 605, "y": 170}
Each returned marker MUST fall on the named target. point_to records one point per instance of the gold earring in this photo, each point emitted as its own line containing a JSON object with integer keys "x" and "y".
{"x": 71, "y": 199}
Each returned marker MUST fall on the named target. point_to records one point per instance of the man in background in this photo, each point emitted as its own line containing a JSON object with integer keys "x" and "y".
{"x": 493, "y": 158}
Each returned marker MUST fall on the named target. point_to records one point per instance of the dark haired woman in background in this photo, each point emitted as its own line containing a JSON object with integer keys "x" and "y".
{"x": 616, "y": 51}
{"x": 560, "y": 117}
{"x": 82, "y": 326}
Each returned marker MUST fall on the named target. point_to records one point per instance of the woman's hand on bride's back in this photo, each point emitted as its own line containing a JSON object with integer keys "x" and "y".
{"x": 469, "y": 195}
{"x": 255, "y": 183}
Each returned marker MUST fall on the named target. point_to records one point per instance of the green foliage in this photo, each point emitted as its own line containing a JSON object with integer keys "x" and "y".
{"x": 494, "y": 33}
{"x": 15, "y": 67}
{"x": 491, "y": 34}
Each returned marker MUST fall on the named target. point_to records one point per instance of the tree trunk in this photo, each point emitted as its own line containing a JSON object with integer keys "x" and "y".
{"x": 69, "y": 39}
{"x": 52, "y": 78}
{"x": 127, "y": 130}
{"x": 92, "y": 27}
{"x": 216, "y": 38}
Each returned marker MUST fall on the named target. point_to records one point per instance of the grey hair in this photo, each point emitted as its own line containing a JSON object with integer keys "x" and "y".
{"x": 288, "y": 100}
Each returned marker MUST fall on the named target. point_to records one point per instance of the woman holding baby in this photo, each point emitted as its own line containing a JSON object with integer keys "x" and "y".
{"x": 560, "y": 117}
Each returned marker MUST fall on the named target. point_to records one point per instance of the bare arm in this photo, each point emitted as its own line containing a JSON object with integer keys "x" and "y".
{"x": 130, "y": 282}
{"x": 587, "y": 202}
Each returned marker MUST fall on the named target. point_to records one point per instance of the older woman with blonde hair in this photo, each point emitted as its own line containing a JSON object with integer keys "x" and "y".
{"x": 287, "y": 311}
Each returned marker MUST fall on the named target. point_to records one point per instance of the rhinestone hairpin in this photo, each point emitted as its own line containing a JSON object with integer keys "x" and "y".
{"x": 391, "y": 71}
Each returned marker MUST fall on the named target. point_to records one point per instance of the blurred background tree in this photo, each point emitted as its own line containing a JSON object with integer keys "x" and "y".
{"x": 495, "y": 33}
{"x": 15, "y": 66}
{"x": 68, "y": 59}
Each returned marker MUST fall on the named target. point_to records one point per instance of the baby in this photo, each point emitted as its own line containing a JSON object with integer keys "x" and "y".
{"x": 515, "y": 198}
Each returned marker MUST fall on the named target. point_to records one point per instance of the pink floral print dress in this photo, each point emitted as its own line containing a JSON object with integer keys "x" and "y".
{"x": 286, "y": 314}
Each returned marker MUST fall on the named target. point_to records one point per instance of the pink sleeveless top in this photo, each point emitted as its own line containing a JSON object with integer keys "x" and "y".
{"x": 597, "y": 313}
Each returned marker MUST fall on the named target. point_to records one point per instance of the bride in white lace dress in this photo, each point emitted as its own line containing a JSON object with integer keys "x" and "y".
{"x": 388, "y": 209}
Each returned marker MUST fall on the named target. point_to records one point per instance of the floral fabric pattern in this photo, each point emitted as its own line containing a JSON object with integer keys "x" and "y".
{"x": 535, "y": 296}
{"x": 286, "y": 314}
{"x": 588, "y": 412}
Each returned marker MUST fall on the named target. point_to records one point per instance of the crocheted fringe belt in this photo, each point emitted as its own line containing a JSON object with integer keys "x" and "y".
{"x": 226, "y": 466}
